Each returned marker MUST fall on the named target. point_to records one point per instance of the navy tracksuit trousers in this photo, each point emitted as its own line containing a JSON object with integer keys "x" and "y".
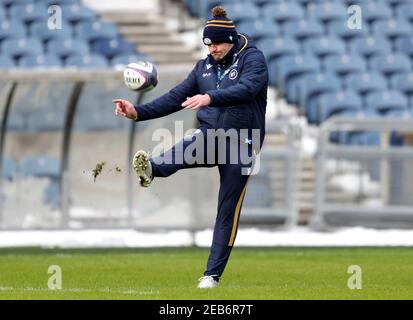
{"x": 233, "y": 182}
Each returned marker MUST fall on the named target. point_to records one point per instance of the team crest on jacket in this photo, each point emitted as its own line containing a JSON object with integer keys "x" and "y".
{"x": 233, "y": 74}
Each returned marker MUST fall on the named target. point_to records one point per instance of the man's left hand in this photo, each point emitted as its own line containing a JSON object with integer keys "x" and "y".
{"x": 196, "y": 102}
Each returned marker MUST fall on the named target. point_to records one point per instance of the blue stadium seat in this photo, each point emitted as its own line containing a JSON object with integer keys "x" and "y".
{"x": 366, "y": 83}
{"x": 44, "y": 166}
{"x": 22, "y": 47}
{"x": 41, "y": 31}
{"x": 45, "y": 121}
{"x": 405, "y": 45}
{"x": 291, "y": 68}
{"x": 203, "y": 8}
{"x": 345, "y": 64}
{"x": 303, "y": 29}
{"x": 397, "y": 3}
{"x": 58, "y": 2}
{"x": 112, "y": 47}
{"x": 16, "y": 122}
{"x": 259, "y": 193}
{"x": 392, "y": 28}
{"x": 51, "y": 195}
{"x": 325, "y": 46}
{"x": 368, "y": 138}
{"x": 331, "y": 104}
{"x": 40, "y": 62}
{"x": 9, "y": 169}
{"x": 7, "y": 3}
{"x": 341, "y": 29}
{"x": 327, "y": 11}
{"x": 99, "y": 120}
{"x": 29, "y": 12}
{"x": 261, "y": 3}
{"x": 370, "y": 46}
{"x": 406, "y": 114}
{"x": 67, "y": 47}
{"x": 312, "y": 85}
{"x": 12, "y": 29}
{"x": 356, "y": 137}
{"x": 2, "y": 14}
{"x": 259, "y": 29}
{"x": 373, "y": 11}
{"x": 92, "y": 61}
{"x": 77, "y": 13}
{"x": 92, "y": 31}
{"x": 275, "y": 48}
{"x": 283, "y": 11}
{"x": 391, "y": 64}
{"x": 405, "y": 11}
{"x": 404, "y": 83}
{"x": 40, "y": 166}
{"x": 386, "y": 101}
{"x": 6, "y": 62}
{"x": 124, "y": 59}
{"x": 242, "y": 11}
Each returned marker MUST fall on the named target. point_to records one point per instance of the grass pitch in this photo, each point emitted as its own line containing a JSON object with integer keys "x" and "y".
{"x": 252, "y": 273}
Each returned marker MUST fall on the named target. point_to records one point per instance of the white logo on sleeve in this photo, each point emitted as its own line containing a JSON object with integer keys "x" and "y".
{"x": 233, "y": 74}
{"x": 208, "y": 66}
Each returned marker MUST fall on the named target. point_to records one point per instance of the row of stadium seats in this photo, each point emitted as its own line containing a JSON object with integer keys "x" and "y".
{"x": 32, "y": 166}
{"x": 88, "y": 31}
{"x": 324, "y": 67}
{"x": 39, "y": 166}
{"x": 283, "y": 10}
{"x": 367, "y": 53}
{"x": 27, "y": 41}
{"x": 27, "y": 53}
{"x": 29, "y": 11}
{"x": 301, "y": 30}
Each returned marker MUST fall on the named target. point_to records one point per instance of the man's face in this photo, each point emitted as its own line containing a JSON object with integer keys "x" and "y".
{"x": 219, "y": 50}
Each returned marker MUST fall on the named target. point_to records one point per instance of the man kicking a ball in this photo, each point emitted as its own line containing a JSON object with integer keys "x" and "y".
{"x": 229, "y": 89}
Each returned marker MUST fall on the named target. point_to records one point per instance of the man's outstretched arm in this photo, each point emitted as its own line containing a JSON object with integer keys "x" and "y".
{"x": 166, "y": 104}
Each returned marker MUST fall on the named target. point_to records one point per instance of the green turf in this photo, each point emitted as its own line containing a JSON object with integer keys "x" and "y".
{"x": 252, "y": 273}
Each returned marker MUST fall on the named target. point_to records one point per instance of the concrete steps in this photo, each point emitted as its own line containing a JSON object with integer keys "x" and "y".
{"x": 152, "y": 37}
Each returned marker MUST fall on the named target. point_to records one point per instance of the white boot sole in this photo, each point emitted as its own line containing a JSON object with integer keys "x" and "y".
{"x": 140, "y": 164}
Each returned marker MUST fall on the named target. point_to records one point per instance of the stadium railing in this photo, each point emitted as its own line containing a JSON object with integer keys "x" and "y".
{"x": 381, "y": 170}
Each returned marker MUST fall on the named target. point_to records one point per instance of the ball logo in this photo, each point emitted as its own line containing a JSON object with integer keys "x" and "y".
{"x": 207, "y": 41}
{"x": 140, "y": 76}
{"x": 233, "y": 74}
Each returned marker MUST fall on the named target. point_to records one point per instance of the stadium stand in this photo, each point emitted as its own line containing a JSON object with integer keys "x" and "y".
{"x": 43, "y": 166}
{"x": 311, "y": 39}
{"x": 27, "y": 40}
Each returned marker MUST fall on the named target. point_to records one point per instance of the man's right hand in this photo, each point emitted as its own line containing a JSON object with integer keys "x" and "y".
{"x": 125, "y": 108}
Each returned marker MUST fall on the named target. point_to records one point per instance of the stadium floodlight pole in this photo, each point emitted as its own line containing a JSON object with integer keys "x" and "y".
{"x": 9, "y": 99}
{"x": 64, "y": 166}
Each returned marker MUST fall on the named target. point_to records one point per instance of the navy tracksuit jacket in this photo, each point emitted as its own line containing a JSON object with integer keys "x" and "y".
{"x": 238, "y": 101}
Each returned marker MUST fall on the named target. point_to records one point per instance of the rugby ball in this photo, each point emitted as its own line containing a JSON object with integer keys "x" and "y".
{"x": 140, "y": 76}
